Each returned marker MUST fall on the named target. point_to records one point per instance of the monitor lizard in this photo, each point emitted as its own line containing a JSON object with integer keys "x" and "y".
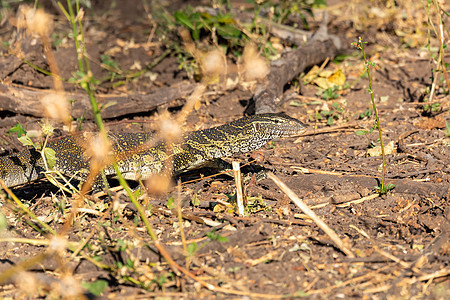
{"x": 196, "y": 149}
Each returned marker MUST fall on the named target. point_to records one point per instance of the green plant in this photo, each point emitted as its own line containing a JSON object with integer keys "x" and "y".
{"x": 435, "y": 107}
{"x": 213, "y": 236}
{"x": 385, "y": 189}
{"x": 86, "y": 80}
{"x": 364, "y": 132}
{"x": 96, "y": 288}
{"x": 329, "y": 93}
{"x": 19, "y": 129}
{"x": 48, "y": 154}
{"x": 57, "y": 40}
{"x": 281, "y": 10}
{"x": 88, "y": 83}
{"x": 170, "y": 203}
{"x": 332, "y": 114}
{"x": 203, "y": 23}
{"x": 368, "y": 113}
{"x": 360, "y": 45}
{"x": 193, "y": 247}
{"x": 112, "y": 66}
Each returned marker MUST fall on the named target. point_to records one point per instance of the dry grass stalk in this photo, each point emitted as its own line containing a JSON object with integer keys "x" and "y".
{"x": 339, "y": 243}
{"x": 354, "y": 281}
{"x": 409, "y": 281}
{"x": 180, "y": 220}
{"x": 239, "y": 193}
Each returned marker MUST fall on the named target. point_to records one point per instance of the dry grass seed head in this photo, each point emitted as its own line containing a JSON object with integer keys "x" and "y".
{"x": 56, "y": 107}
{"x": 167, "y": 129}
{"x": 213, "y": 64}
{"x": 27, "y": 283}
{"x": 68, "y": 287}
{"x": 58, "y": 245}
{"x": 252, "y": 66}
{"x": 98, "y": 150}
{"x": 159, "y": 184}
{"x": 37, "y": 21}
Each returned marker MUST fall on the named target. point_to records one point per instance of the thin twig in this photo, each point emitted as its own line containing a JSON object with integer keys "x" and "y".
{"x": 339, "y": 243}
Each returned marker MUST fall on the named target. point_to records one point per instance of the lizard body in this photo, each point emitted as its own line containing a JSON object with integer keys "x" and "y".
{"x": 195, "y": 150}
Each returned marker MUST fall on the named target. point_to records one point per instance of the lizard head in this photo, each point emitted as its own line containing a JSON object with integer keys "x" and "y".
{"x": 242, "y": 135}
{"x": 275, "y": 125}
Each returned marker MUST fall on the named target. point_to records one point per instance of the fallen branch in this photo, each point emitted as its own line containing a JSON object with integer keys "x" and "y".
{"x": 319, "y": 48}
{"x": 23, "y": 100}
{"x": 287, "y": 68}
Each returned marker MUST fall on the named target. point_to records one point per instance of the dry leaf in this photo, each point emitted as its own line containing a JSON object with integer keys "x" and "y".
{"x": 431, "y": 123}
{"x": 388, "y": 149}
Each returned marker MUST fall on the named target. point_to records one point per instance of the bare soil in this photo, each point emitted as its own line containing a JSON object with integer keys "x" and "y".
{"x": 400, "y": 239}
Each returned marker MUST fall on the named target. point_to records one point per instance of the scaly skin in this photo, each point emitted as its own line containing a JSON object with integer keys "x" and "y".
{"x": 195, "y": 150}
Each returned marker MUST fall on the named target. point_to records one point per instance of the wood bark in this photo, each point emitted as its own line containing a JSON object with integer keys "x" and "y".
{"x": 21, "y": 100}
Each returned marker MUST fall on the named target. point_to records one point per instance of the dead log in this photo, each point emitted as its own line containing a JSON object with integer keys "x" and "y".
{"x": 22, "y": 100}
{"x": 288, "y": 67}
{"x": 320, "y": 47}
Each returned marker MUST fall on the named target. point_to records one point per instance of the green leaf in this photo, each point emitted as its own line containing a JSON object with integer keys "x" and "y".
{"x": 77, "y": 77}
{"x": 216, "y": 237}
{"x": 195, "y": 200}
{"x": 19, "y": 129}
{"x": 385, "y": 189}
{"x": 296, "y": 103}
{"x": 318, "y": 116}
{"x": 390, "y": 186}
{"x": 130, "y": 263}
{"x": 228, "y": 31}
{"x": 170, "y": 203}
{"x": 183, "y": 19}
{"x": 361, "y": 132}
{"x": 340, "y": 58}
{"x": 26, "y": 141}
{"x": 226, "y": 19}
{"x": 222, "y": 239}
{"x": 300, "y": 293}
{"x": 330, "y": 120}
{"x": 96, "y": 288}
{"x": 50, "y": 157}
{"x": 192, "y": 248}
{"x": 97, "y": 258}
